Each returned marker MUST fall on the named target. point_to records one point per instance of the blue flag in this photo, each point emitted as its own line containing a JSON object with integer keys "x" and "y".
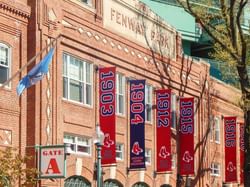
{"x": 36, "y": 73}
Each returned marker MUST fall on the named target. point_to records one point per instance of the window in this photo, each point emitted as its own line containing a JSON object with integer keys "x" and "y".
{"x": 78, "y": 145}
{"x": 215, "y": 169}
{"x": 148, "y": 103}
{"x": 119, "y": 151}
{"x": 246, "y": 15}
{"x": 140, "y": 184}
{"x": 112, "y": 183}
{"x": 217, "y": 130}
{"x": 211, "y": 126}
{"x": 173, "y": 160}
{"x": 148, "y": 156}
{"x": 120, "y": 94}
{"x": 4, "y": 63}
{"x": 89, "y": 2}
{"x": 77, "y": 80}
{"x": 77, "y": 181}
{"x": 211, "y": 133}
{"x": 173, "y": 110}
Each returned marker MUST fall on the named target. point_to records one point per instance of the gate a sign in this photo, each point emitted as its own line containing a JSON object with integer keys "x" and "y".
{"x": 52, "y": 161}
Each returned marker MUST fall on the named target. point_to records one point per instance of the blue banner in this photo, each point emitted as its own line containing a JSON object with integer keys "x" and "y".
{"x": 137, "y": 122}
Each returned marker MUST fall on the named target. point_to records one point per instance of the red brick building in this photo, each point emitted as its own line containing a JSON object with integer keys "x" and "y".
{"x": 64, "y": 107}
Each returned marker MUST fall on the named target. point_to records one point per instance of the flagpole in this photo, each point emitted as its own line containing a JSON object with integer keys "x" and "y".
{"x": 28, "y": 63}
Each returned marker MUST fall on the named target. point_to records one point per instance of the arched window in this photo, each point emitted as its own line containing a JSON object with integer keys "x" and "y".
{"x": 140, "y": 184}
{"x": 5, "y": 54}
{"x": 112, "y": 183}
{"x": 166, "y": 185}
{"x": 77, "y": 181}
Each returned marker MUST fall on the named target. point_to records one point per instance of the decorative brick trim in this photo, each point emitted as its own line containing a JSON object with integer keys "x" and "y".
{"x": 14, "y": 7}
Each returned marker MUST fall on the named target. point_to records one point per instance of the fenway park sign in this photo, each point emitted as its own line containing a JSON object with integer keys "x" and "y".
{"x": 136, "y": 22}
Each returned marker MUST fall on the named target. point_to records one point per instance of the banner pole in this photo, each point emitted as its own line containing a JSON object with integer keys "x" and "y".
{"x": 28, "y": 63}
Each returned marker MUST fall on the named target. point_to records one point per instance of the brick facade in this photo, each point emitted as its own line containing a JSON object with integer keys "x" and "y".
{"x": 28, "y": 25}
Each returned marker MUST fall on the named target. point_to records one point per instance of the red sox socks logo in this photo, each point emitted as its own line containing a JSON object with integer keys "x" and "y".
{"x": 107, "y": 141}
{"x": 163, "y": 152}
{"x": 231, "y": 167}
{"x": 186, "y": 157}
{"x": 136, "y": 149}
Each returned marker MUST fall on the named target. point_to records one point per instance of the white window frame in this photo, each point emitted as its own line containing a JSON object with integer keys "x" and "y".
{"x": 148, "y": 103}
{"x": 77, "y": 143}
{"x": 119, "y": 149}
{"x": 84, "y": 82}
{"x": 211, "y": 127}
{"x": 215, "y": 167}
{"x": 120, "y": 78}
{"x": 173, "y": 160}
{"x": 148, "y": 156}
{"x": 3, "y": 45}
{"x": 173, "y": 111}
{"x": 211, "y": 134}
{"x": 217, "y": 130}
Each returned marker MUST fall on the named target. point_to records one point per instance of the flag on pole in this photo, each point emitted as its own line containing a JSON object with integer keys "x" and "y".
{"x": 36, "y": 73}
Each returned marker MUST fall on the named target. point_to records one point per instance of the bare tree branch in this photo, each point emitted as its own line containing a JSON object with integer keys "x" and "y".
{"x": 224, "y": 11}
{"x": 231, "y": 44}
{"x": 207, "y": 27}
{"x": 232, "y": 24}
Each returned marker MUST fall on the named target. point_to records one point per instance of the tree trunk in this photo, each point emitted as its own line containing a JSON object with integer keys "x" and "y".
{"x": 247, "y": 147}
{"x": 245, "y": 90}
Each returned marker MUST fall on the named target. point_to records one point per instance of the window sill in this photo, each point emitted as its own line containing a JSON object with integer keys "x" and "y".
{"x": 77, "y": 103}
{"x": 149, "y": 122}
{"x": 173, "y": 130}
{"x": 214, "y": 175}
{"x": 120, "y": 115}
{"x": 217, "y": 142}
{"x": 6, "y": 87}
{"x": 80, "y": 154}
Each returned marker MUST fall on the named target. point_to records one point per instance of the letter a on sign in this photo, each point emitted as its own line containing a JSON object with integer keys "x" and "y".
{"x": 52, "y": 167}
{"x": 52, "y": 161}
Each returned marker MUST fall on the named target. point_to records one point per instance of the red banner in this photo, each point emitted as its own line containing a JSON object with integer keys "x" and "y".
{"x": 163, "y": 125}
{"x": 186, "y": 136}
{"x": 107, "y": 113}
{"x": 230, "y": 149}
{"x": 242, "y": 152}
